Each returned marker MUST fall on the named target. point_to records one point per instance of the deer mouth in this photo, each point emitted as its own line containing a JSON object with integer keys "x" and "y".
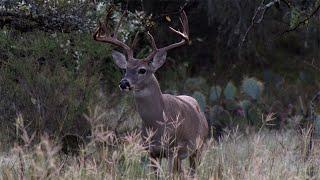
{"x": 127, "y": 88}
{"x": 125, "y": 85}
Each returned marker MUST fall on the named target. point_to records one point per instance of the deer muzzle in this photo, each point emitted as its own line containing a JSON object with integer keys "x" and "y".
{"x": 124, "y": 85}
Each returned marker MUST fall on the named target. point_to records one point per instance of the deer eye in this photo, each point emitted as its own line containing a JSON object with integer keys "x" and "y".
{"x": 142, "y": 71}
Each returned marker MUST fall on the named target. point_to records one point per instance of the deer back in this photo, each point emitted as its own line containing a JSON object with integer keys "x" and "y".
{"x": 183, "y": 115}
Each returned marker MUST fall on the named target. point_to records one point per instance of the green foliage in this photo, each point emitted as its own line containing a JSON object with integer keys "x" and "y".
{"x": 194, "y": 84}
{"x": 215, "y": 93}
{"x": 245, "y": 104}
{"x": 51, "y": 80}
{"x": 54, "y": 15}
{"x": 252, "y": 88}
{"x": 295, "y": 17}
{"x": 230, "y": 91}
{"x": 307, "y": 77}
{"x": 231, "y": 105}
{"x": 254, "y": 116}
{"x": 201, "y": 100}
{"x": 219, "y": 117}
{"x": 172, "y": 76}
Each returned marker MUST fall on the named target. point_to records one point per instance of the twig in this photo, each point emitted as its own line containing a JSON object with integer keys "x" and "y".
{"x": 257, "y": 18}
{"x": 302, "y": 21}
{"x": 312, "y": 65}
{"x": 286, "y": 3}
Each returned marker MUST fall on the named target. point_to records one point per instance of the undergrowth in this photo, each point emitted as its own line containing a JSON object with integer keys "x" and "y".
{"x": 265, "y": 154}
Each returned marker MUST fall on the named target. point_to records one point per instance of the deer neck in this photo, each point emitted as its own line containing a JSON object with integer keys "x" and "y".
{"x": 149, "y": 103}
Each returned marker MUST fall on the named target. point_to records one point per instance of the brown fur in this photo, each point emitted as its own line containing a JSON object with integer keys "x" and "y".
{"x": 179, "y": 126}
{"x": 162, "y": 113}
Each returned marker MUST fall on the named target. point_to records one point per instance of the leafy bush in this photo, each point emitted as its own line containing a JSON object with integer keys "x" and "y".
{"x": 194, "y": 84}
{"x": 51, "y": 80}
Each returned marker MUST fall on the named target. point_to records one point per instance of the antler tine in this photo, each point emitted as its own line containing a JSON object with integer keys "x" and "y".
{"x": 152, "y": 41}
{"x": 184, "y": 34}
{"x": 185, "y": 26}
{"x": 111, "y": 38}
{"x": 185, "y": 23}
{"x": 153, "y": 46}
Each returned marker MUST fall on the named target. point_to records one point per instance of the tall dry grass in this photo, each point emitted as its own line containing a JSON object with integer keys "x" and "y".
{"x": 257, "y": 155}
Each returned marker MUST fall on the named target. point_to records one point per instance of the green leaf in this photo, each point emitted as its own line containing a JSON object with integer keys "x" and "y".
{"x": 295, "y": 17}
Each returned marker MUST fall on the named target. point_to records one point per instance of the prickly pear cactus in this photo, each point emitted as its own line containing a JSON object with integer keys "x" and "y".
{"x": 230, "y": 91}
{"x": 201, "y": 100}
{"x": 215, "y": 93}
{"x": 252, "y": 88}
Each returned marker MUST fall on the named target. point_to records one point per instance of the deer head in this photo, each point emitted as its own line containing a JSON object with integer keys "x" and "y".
{"x": 139, "y": 71}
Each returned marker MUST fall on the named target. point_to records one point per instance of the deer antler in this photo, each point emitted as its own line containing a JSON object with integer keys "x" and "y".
{"x": 184, "y": 34}
{"x": 112, "y": 37}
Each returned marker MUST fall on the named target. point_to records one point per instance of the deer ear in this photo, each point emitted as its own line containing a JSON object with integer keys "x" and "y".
{"x": 159, "y": 60}
{"x": 119, "y": 59}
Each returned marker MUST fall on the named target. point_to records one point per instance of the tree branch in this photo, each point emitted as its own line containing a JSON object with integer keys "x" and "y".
{"x": 302, "y": 21}
{"x": 257, "y": 18}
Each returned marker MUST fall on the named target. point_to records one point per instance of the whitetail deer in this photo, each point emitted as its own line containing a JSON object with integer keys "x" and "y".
{"x": 178, "y": 118}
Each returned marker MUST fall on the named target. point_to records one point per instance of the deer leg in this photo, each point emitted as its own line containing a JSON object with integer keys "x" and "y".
{"x": 177, "y": 164}
{"x": 193, "y": 160}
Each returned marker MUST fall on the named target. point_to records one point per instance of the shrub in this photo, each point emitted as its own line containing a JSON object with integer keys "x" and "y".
{"x": 51, "y": 80}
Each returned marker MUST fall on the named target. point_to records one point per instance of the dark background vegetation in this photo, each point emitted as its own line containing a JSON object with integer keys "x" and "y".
{"x": 247, "y": 58}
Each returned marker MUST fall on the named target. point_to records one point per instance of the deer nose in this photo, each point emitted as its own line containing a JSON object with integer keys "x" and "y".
{"x": 124, "y": 84}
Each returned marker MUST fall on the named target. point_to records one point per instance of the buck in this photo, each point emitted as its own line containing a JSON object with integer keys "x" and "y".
{"x": 175, "y": 118}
